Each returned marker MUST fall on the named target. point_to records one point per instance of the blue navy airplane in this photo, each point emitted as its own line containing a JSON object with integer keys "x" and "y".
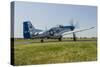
{"x": 29, "y": 32}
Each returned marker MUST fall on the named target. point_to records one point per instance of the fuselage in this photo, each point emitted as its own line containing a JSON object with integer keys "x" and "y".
{"x": 55, "y": 32}
{"x": 29, "y": 31}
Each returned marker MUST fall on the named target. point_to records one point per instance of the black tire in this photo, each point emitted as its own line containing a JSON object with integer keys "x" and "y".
{"x": 42, "y": 40}
{"x": 59, "y": 39}
{"x": 74, "y": 37}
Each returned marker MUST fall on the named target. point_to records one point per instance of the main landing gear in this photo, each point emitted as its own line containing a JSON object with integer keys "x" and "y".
{"x": 59, "y": 39}
{"x": 42, "y": 40}
{"x": 74, "y": 37}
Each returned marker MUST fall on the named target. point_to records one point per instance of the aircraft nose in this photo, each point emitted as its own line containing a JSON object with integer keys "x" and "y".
{"x": 72, "y": 28}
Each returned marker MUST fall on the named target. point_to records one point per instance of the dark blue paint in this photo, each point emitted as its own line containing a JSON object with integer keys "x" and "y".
{"x": 70, "y": 27}
{"x": 26, "y": 32}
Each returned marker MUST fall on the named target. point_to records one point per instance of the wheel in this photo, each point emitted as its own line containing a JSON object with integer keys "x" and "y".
{"x": 74, "y": 37}
{"x": 42, "y": 40}
{"x": 59, "y": 39}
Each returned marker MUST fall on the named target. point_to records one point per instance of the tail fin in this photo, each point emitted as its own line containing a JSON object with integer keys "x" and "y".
{"x": 27, "y": 29}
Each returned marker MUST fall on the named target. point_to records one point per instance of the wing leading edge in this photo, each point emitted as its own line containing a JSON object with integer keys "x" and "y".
{"x": 76, "y": 31}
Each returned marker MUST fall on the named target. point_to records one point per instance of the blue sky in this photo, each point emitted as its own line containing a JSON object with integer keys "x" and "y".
{"x": 49, "y": 15}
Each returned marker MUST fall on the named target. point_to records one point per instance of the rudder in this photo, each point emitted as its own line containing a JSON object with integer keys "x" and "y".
{"x": 27, "y": 29}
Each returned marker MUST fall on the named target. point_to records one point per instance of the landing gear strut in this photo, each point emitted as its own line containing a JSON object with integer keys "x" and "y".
{"x": 74, "y": 36}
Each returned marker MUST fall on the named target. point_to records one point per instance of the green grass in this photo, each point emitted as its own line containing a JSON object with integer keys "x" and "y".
{"x": 55, "y": 52}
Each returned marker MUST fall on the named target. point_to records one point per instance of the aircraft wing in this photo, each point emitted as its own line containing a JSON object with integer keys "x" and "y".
{"x": 77, "y": 31}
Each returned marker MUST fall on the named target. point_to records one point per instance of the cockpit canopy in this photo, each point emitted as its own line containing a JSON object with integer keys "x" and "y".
{"x": 61, "y": 26}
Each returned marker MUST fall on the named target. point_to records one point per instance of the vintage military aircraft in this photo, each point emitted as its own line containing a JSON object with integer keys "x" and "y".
{"x": 53, "y": 33}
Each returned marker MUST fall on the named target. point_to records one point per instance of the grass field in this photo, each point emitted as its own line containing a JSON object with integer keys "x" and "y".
{"x": 54, "y": 52}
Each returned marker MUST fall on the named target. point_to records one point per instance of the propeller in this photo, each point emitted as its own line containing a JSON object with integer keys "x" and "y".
{"x": 72, "y": 22}
{"x": 75, "y": 25}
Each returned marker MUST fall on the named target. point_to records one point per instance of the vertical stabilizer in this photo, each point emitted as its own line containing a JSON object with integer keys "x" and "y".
{"x": 27, "y": 29}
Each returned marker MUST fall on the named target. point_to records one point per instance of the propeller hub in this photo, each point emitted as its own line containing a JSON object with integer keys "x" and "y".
{"x": 72, "y": 28}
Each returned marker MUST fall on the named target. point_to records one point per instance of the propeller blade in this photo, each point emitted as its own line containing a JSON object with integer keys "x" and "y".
{"x": 72, "y": 23}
